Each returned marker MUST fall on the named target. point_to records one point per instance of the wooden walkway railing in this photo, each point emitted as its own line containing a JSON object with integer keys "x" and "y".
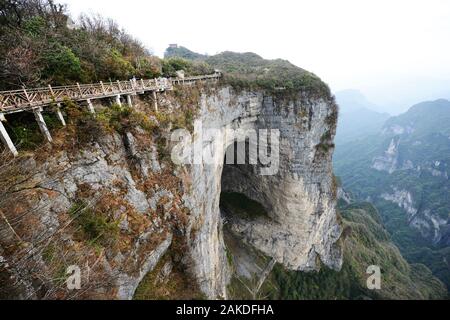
{"x": 23, "y": 99}
{"x": 38, "y": 98}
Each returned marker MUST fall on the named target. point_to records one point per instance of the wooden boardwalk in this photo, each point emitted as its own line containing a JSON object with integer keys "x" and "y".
{"x": 25, "y": 99}
{"x": 35, "y": 100}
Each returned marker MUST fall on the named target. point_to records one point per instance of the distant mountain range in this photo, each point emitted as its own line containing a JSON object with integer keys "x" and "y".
{"x": 357, "y": 116}
{"x": 403, "y": 168}
{"x": 366, "y": 242}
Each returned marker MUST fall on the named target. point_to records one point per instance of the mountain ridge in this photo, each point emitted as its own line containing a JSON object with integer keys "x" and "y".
{"x": 404, "y": 170}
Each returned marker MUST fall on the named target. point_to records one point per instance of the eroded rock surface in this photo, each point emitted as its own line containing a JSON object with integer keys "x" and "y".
{"x": 300, "y": 198}
{"x": 120, "y": 176}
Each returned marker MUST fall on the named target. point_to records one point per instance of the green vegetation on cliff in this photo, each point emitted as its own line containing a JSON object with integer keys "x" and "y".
{"x": 40, "y": 45}
{"x": 169, "y": 280}
{"x": 248, "y": 70}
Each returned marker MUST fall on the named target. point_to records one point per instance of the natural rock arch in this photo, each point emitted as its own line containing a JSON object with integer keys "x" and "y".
{"x": 300, "y": 197}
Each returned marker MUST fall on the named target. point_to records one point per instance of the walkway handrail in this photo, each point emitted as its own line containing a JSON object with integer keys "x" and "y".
{"x": 22, "y": 99}
{"x": 35, "y": 99}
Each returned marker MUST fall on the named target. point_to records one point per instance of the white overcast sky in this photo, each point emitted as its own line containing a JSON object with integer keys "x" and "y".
{"x": 397, "y": 52}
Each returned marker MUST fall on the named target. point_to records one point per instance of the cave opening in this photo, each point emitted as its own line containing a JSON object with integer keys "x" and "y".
{"x": 243, "y": 204}
{"x": 239, "y": 205}
{"x": 239, "y": 192}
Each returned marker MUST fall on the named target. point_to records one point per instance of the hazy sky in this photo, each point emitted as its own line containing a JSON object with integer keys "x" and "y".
{"x": 396, "y": 52}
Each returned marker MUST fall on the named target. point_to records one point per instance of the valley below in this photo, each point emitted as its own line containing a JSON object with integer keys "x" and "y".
{"x": 403, "y": 170}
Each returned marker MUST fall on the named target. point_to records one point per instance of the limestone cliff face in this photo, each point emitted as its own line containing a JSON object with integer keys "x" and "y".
{"x": 47, "y": 202}
{"x": 148, "y": 201}
{"x": 300, "y": 198}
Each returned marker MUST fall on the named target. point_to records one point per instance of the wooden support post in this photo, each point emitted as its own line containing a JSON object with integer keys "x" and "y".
{"x": 103, "y": 87}
{"x": 59, "y": 114}
{"x": 27, "y": 96}
{"x": 129, "y": 101}
{"x": 5, "y": 137}
{"x": 79, "y": 89}
{"x": 90, "y": 106}
{"x": 51, "y": 91}
{"x": 42, "y": 125}
{"x": 143, "y": 85}
{"x": 155, "y": 101}
{"x": 118, "y": 100}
